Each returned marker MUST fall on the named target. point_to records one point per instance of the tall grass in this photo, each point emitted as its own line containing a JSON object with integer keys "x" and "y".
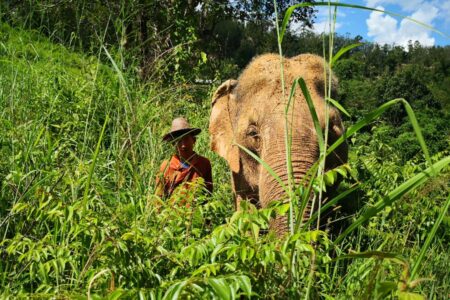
{"x": 396, "y": 194}
{"x": 322, "y": 137}
{"x": 80, "y": 142}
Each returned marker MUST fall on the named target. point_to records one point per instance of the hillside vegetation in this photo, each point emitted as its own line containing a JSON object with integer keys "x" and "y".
{"x": 80, "y": 141}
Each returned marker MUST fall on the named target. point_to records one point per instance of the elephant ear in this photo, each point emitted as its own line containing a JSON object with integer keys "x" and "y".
{"x": 224, "y": 90}
{"x": 220, "y": 126}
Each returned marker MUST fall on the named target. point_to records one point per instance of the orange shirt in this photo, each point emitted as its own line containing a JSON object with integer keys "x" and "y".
{"x": 174, "y": 174}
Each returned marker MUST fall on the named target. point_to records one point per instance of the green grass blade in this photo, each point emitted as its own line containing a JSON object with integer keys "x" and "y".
{"x": 374, "y": 115}
{"x": 121, "y": 78}
{"x": 320, "y": 135}
{"x": 426, "y": 245}
{"x": 286, "y": 18}
{"x": 265, "y": 166}
{"x": 313, "y": 112}
{"x": 288, "y": 133}
{"x": 331, "y": 203}
{"x": 374, "y": 254}
{"x": 175, "y": 290}
{"x": 362, "y": 123}
{"x": 116, "y": 68}
{"x": 94, "y": 160}
{"x": 306, "y": 195}
{"x": 417, "y": 130}
{"x": 342, "y": 51}
{"x": 339, "y": 106}
{"x": 288, "y": 145}
{"x": 396, "y": 194}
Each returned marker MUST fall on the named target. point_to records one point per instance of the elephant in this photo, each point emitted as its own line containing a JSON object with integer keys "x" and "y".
{"x": 250, "y": 111}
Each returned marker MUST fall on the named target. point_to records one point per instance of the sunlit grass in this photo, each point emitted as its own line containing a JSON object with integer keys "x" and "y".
{"x": 81, "y": 144}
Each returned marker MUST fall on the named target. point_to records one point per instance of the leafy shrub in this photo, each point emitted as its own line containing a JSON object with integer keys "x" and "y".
{"x": 81, "y": 144}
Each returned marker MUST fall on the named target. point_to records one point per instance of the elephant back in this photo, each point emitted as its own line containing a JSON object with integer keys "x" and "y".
{"x": 264, "y": 72}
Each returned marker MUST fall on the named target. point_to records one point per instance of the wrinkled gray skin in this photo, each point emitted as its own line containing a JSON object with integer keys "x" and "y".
{"x": 250, "y": 112}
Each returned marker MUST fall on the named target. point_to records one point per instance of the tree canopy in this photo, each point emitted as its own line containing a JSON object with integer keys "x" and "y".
{"x": 148, "y": 30}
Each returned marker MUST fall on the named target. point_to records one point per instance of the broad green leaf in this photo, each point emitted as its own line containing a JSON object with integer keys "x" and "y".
{"x": 338, "y": 106}
{"x": 282, "y": 209}
{"x": 245, "y": 284}
{"x": 327, "y": 297}
{"x": 70, "y": 214}
{"x": 116, "y": 294}
{"x": 218, "y": 249}
{"x": 220, "y": 287}
{"x": 255, "y": 231}
{"x": 330, "y": 177}
{"x": 174, "y": 291}
{"x": 244, "y": 252}
{"x": 204, "y": 57}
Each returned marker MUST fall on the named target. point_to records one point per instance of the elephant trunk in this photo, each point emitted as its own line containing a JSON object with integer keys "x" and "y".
{"x": 304, "y": 154}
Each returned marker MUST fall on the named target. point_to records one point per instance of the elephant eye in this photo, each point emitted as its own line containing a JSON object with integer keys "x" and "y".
{"x": 252, "y": 131}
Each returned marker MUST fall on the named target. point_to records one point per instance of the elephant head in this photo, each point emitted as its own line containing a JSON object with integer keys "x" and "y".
{"x": 250, "y": 112}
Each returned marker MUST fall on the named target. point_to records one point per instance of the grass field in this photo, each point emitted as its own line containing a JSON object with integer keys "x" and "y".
{"x": 80, "y": 147}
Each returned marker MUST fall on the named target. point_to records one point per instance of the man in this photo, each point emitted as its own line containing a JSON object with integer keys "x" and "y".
{"x": 185, "y": 167}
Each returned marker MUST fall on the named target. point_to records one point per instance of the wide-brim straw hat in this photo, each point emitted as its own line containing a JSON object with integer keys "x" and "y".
{"x": 180, "y": 127}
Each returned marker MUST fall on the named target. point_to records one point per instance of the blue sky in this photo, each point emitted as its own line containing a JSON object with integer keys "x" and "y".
{"x": 382, "y": 28}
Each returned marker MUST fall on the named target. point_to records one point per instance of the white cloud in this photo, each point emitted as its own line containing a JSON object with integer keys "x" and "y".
{"x": 384, "y": 29}
{"x": 406, "y": 5}
{"x": 322, "y": 22}
{"x": 444, "y": 10}
{"x": 324, "y": 26}
{"x": 411, "y": 6}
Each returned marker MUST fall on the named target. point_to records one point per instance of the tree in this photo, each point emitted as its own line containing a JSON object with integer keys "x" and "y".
{"x": 407, "y": 83}
{"x": 163, "y": 36}
{"x": 258, "y": 10}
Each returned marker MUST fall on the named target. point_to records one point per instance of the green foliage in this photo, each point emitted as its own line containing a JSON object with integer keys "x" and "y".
{"x": 348, "y": 69}
{"x": 158, "y": 39}
{"x": 407, "y": 84}
{"x": 422, "y": 85}
{"x": 80, "y": 142}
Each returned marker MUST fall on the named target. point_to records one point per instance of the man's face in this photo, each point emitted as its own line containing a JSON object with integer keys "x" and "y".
{"x": 185, "y": 146}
